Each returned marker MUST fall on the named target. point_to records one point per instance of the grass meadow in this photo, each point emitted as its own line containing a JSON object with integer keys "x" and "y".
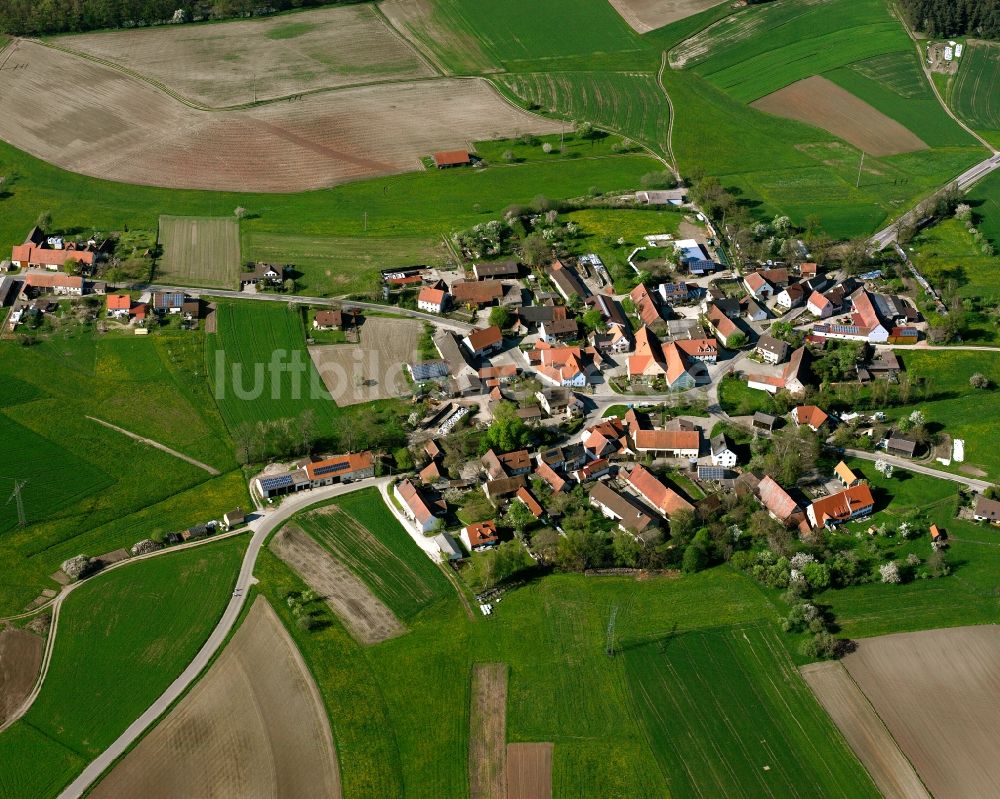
{"x": 122, "y": 639}
{"x": 946, "y": 253}
{"x": 199, "y": 251}
{"x": 974, "y": 93}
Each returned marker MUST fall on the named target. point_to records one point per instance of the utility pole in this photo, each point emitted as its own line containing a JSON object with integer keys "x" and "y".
{"x": 366, "y": 221}
{"x": 18, "y": 501}
{"x": 609, "y": 643}
{"x": 860, "y": 166}
{"x": 254, "y": 87}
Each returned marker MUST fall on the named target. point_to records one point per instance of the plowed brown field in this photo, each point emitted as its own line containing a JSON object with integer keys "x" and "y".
{"x": 20, "y": 659}
{"x": 488, "y": 732}
{"x": 529, "y": 771}
{"x": 821, "y": 102}
{"x": 938, "y": 693}
{"x": 100, "y": 122}
{"x": 254, "y": 727}
{"x": 646, "y": 15}
{"x": 259, "y": 59}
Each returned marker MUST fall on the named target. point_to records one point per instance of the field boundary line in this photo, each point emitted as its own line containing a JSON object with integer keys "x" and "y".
{"x": 427, "y": 58}
{"x": 157, "y": 445}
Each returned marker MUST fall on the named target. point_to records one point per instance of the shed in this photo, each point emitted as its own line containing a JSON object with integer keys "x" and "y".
{"x": 449, "y": 158}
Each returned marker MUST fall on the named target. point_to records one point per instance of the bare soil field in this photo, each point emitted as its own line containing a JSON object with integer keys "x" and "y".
{"x": 373, "y": 369}
{"x": 100, "y": 122}
{"x": 254, "y": 727}
{"x": 646, "y": 15}
{"x": 820, "y": 102}
{"x": 260, "y": 59}
{"x": 938, "y": 692}
{"x": 20, "y": 659}
{"x": 199, "y": 251}
{"x": 367, "y": 617}
{"x": 864, "y": 731}
{"x": 529, "y": 771}
{"x": 488, "y": 732}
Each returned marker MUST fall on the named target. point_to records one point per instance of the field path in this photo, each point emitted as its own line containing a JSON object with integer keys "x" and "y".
{"x": 669, "y": 144}
{"x": 262, "y": 526}
{"x": 157, "y": 445}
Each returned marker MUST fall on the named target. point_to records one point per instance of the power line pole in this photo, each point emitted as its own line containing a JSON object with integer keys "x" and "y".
{"x": 860, "y": 166}
{"x": 609, "y": 643}
{"x": 18, "y": 501}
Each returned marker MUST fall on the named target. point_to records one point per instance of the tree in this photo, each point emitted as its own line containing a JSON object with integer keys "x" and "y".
{"x": 403, "y": 458}
{"x": 683, "y": 526}
{"x": 240, "y": 212}
{"x": 890, "y": 573}
{"x": 579, "y": 550}
{"x": 695, "y": 558}
{"x": 71, "y": 266}
{"x": 626, "y": 550}
{"x": 979, "y": 380}
{"x": 736, "y": 340}
{"x": 500, "y": 317}
{"x": 535, "y": 250}
{"x": 508, "y": 156}
{"x": 518, "y": 517}
{"x": 593, "y": 320}
{"x": 507, "y": 432}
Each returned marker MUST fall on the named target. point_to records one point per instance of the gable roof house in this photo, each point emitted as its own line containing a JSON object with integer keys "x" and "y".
{"x": 723, "y": 325}
{"x": 477, "y": 292}
{"x": 503, "y": 487}
{"x": 119, "y": 305}
{"x": 661, "y": 497}
{"x": 758, "y": 287}
{"x": 269, "y": 274}
{"x": 445, "y": 159}
{"x": 556, "y": 401}
{"x": 432, "y": 300}
{"x": 630, "y": 514}
{"x": 328, "y": 320}
{"x": 647, "y": 309}
{"x": 793, "y": 378}
{"x": 566, "y": 367}
{"x": 845, "y": 474}
{"x": 416, "y": 507}
{"x": 986, "y": 510}
{"x": 771, "y": 350}
{"x": 811, "y": 416}
{"x": 567, "y": 282}
{"x": 611, "y": 312}
{"x": 71, "y": 285}
{"x": 558, "y": 329}
{"x": 722, "y": 455}
{"x": 607, "y": 439}
{"x": 676, "y": 292}
{"x": 752, "y": 310}
{"x": 480, "y": 536}
{"x": 168, "y": 301}
{"x": 901, "y": 447}
{"x": 666, "y": 443}
{"x": 819, "y": 305}
{"x": 483, "y": 341}
{"x": 791, "y": 296}
{"x": 529, "y": 501}
{"x": 779, "y": 505}
{"x": 554, "y": 480}
{"x": 497, "y": 269}
{"x": 651, "y": 360}
{"x": 27, "y": 255}
{"x": 843, "y": 506}
{"x": 867, "y": 323}
{"x": 464, "y": 378}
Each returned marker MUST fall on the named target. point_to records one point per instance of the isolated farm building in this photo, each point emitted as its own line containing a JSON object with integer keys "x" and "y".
{"x": 70, "y": 285}
{"x": 266, "y": 274}
{"x": 480, "y": 536}
{"x": 659, "y": 496}
{"x": 559, "y": 402}
{"x": 630, "y": 514}
{"x": 771, "y": 350}
{"x": 938, "y": 536}
{"x": 276, "y": 485}
{"x": 722, "y": 454}
{"x": 851, "y": 503}
{"x": 447, "y": 547}
{"x": 432, "y": 300}
{"x": 119, "y": 305}
{"x": 558, "y": 329}
{"x": 477, "y": 292}
{"x": 661, "y": 197}
{"x": 811, "y": 416}
{"x": 328, "y": 320}
{"x": 777, "y": 502}
{"x": 234, "y": 518}
{"x": 28, "y": 255}
{"x": 986, "y": 510}
{"x": 416, "y": 507}
{"x": 676, "y": 292}
{"x": 195, "y": 533}
{"x": 445, "y": 159}
{"x": 168, "y": 301}
{"x": 496, "y": 490}
{"x": 341, "y": 469}
{"x": 763, "y": 421}
{"x": 529, "y": 501}
{"x": 819, "y": 305}
{"x": 567, "y": 282}
{"x": 497, "y": 269}
{"x": 483, "y": 341}
{"x": 552, "y": 478}
{"x": 901, "y": 447}
{"x": 845, "y": 474}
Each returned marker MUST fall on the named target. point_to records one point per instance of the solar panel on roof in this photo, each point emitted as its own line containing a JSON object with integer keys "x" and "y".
{"x": 278, "y": 481}
{"x": 333, "y": 467}
{"x": 711, "y": 472}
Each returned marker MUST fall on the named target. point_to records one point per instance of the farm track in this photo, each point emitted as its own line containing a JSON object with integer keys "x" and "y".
{"x": 664, "y": 65}
{"x": 157, "y": 445}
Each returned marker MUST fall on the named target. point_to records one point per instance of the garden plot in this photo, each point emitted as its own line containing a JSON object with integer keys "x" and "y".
{"x": 529, "y": 771}
{"x": 368, "y": 619}
{"x": 820, "y": 102}
{"x": 488, "y": 732}
{"x": 938, "y": 692}
{"x": 372, "y": 369}
{"x": 253, "y": 727}
{"x": 98, "y": 121}
{"x": 252, "y": 60}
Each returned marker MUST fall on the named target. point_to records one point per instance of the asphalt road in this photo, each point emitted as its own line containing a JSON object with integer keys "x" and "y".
{"x": 262, "y": 527}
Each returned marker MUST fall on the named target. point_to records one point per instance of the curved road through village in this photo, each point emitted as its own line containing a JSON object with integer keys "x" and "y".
{"x": 262, "y": 527}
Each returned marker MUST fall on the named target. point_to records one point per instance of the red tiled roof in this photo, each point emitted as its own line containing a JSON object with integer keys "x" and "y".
{"x": 776, "y": 499}
{"x": 482, "y": 338}
{"x": 530, "y": 502}
{"x": 548, "y": 474}
{"x": 451, "y": 158}
{"x": 47, "y": 257}
{"x": 661, "y": 497}
{"x": 41, "y": 280}
{"x": 119, "y": 302}
{"x": 482, "y": 533}
{"x": 477, "y": 291}
{"x": 810, "y": 415}
{"x": 666, "y": 439}
{"x": 414, "y": 501}
{"x": 433, "y": 296}
{"x": 350, "y": 463}
{"x": 842, "y": 505}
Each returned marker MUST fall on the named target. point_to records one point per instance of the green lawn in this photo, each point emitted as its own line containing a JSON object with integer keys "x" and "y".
{"x": 737, "y": 399}
{"x": 400, "y": 575}
{"x": 702, "y": 697}
{"x": 122, "y": 639}
{"x": 946, "y": 253}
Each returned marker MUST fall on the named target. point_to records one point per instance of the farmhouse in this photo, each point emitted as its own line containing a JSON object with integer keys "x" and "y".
{"x": 651, "y": 361}
{"x": 432, "y": 300}
{"x": 843, "y": 506}
{"x": 71, "y": 285}
{"x": 722, "y": 455}
{"x": 480, "y": 536}
{"x": 569, "y": 456}
{"x": 119, "y": 305}
{"x": 655, "y": 493}
{"x": 611, "y": 311}
{"x": 666, "y": 443}
{"x": 868, "y": 311}
{"x": 263, "y": 274}
{"x": 771, "y": 350}
{"x": 614, "y": 341}
{"x": 483, "y": 341}
{"x": 416, "y": 507}
{"x": 647, "y": 309}
{"x": 477, "y": 292}
{"x": 631, "y": 515}
{"x": 567, "y": 282}
{"x": 698, "y": 349}
{"x": 592, "y": 470}
{"x": 445, "y": 159}
{"x": 609, "y": 438}
{"x": 499, "y": 270}
{"x": 32, "y": 255}
{"x": 811, "y": 416}
{"x": 986, "y": 510}
{"x": 531, "y": 316}
{"x": 758, "y": 287}
{"x": 725, "y": 328}
{"x": 776, "y": 501}
{"x": 341, "y": 469}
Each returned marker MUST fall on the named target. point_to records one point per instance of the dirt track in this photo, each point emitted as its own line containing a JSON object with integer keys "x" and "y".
{"x": 254, "y": 727}
{"x": 820, "y": 102}
{"x": 864, "y": 731}
{"x": 529, "y": 771}
{"x": 938, "y": 693}
{"x": 20, "y": 659}
{"x": 100, "y": 122}
{"x": 364, "y": 614}
{"x": 373, "y": 369}
{"x": 488, "y": 732}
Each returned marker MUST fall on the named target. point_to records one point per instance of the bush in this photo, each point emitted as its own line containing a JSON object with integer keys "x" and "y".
{"x": 822, "y": 646}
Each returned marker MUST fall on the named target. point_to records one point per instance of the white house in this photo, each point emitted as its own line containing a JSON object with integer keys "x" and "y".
{"x": 790, "y": 297}
{"x": 819, "y": 305}
{"x": 757, "y": 287}
{"x": 432, "y": 300}
{"x": 480, "y": 536}
{"x": 415, "y": 508}
{"x": 722, "y": 455}
{"x": 559, "y": 401}
{"x": 483, "y": 341}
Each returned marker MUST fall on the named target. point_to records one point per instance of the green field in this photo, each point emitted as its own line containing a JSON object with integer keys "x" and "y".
{"x": 703, "y": 697}
{"x": 974, "y": 93}
{"x": 985, "y": 196}
{"x": 91, "y": 489}
{"x": 738, "y": 399}
{"x": 199, "y": 251}
{"x": 400, "y": 575}
{"x": 947, "y": 254}
{"x": 122, "y": 639}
